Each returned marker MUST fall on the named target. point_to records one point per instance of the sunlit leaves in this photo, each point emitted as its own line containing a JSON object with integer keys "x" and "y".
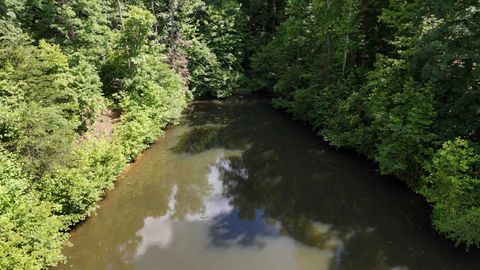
{"x": 452, "y": 185}
{"x": 29, "y": 232}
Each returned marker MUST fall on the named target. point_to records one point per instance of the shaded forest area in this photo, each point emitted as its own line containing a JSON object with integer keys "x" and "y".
{"x": 399, "y": 82}
{"x": 86, "y": 85}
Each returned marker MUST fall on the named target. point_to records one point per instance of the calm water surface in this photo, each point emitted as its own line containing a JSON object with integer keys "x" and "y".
{"x": 239, "y": 186}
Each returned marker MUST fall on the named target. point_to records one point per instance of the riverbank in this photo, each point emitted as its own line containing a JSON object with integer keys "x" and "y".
{"x": 39, "y": 208}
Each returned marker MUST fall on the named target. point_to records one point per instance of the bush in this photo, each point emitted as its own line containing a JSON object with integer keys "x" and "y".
{"x": 44, "y": 101}
{"x": 76, "y": 187}
{"x": 154, "y": 96}
{"x": 86, "y": 83}
{"x": 453, "y": 187}
{"x": 30, "y": 236}
{"x": 208, "y": 79}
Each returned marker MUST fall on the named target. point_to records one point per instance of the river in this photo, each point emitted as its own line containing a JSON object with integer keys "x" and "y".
{"x": 240, "y": 186}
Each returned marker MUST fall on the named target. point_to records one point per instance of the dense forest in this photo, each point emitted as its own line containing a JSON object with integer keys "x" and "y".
{"x": 399, "y": 82}
{"x": 86, "y": 85}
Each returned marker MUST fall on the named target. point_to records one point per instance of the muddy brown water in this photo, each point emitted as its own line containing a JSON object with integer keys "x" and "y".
{"x": 240, "y": 186}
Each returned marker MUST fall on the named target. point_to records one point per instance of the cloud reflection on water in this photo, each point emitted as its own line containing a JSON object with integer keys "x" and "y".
{"x": 215, "y": 203}
{"x": 226, "y": 228}
{"x": 158, "y": 231}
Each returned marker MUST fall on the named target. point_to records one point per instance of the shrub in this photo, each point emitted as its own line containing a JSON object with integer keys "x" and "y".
{"x": 453, "y": 187}
{"x": 30, "y": 236}
{"x": 76, "y": 187}
{"x": 153, "y": 97}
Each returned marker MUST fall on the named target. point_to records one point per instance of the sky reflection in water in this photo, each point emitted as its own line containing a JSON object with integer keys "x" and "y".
{"x": 227, "y": 230}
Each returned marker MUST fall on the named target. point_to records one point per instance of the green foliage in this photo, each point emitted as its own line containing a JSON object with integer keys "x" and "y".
{"x": 262, "y": 19}
{"x": 136, "y": 31}
{"x": 401, "y": 114}
{"x": 82, "y": 27}
{"x": 40, "y": 73}
{"x": 86, "y": 83}
{"x": 366, "y": 76}
{"x": 341, "y": 118}
{"x": 153, "y": 97}
{"x": 452, "y": 185}
{"x": 448, "y": 58}
{"x": 55, "y": 164}
{"x": 30, "y": 236}
{"x": 207, "y": 76}
{"x": 41, "y": 136}
{"x": 90, "y": 170}
{"x": 214, "y": 51}
{"x": 222, "y": 29}
{"x": 44, "y": 102}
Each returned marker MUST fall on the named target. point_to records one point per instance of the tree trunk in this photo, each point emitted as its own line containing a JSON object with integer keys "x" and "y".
{"x": 274, "y": 19}
{"x": 173, "y": 23}
{"x": 327, "y": 34}
{"x": 347, "y": 40}
{"x": 120, "y": 12}
{"x": 155, "y": 15}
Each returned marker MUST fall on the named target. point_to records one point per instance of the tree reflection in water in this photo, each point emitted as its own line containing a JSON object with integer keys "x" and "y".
{"x": 321, "y": 197}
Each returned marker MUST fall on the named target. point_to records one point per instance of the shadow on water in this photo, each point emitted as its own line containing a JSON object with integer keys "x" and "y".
{"x": 288, "y": 182}
{"x": 204, "y": 138}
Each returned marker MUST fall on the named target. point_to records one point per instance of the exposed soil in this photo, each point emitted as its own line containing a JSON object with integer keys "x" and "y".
{"x": 103, "y": 126}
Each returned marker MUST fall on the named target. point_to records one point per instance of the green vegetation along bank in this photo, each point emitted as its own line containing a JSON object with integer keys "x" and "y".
{"x": 86, "y": 85}
{"x": 399, "y": 82}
